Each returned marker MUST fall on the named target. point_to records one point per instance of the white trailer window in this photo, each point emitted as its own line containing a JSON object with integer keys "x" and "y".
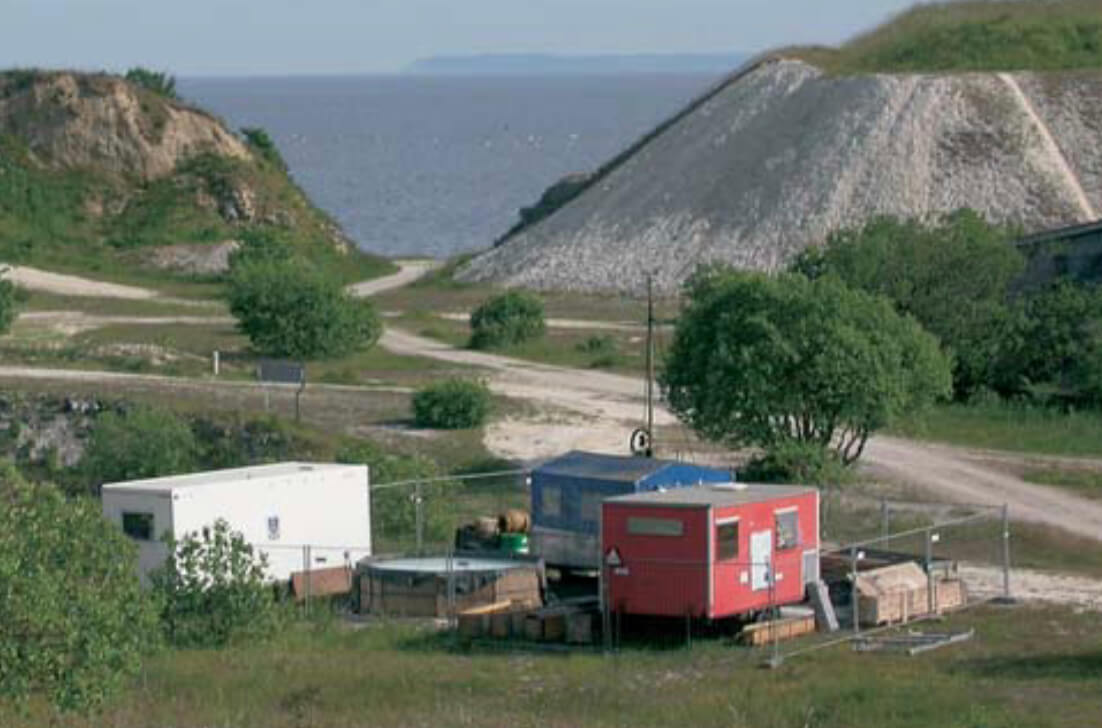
{"x": 138, "y": 526}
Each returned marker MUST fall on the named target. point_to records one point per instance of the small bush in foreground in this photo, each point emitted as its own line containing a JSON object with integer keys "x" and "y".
{"x": 511, "y": 318}
{"x": 452, "y": 404}
{"x": 74, "y": 622}
{"x": 213, "y": 591}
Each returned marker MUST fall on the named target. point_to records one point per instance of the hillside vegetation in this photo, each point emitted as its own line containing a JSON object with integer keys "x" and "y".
{"x": 100, "y": 173}
{"x": 1039, "y": 35}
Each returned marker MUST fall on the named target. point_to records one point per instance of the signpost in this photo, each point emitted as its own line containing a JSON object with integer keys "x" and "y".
{"x": 279, "y": 371}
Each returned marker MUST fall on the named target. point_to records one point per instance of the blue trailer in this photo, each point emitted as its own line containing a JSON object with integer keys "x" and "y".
{"x": 567, "y": 493}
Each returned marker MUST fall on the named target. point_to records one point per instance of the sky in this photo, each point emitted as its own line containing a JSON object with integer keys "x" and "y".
{"x": 293, "y": 37}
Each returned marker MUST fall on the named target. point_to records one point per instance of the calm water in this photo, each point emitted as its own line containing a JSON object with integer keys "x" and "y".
{"x": 439, "y": 165}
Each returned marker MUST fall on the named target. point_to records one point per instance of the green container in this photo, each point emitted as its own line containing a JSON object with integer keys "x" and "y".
{"x": 514, "y": 543}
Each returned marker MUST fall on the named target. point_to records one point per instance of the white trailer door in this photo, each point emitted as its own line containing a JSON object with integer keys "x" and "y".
{"x": 761, "y": 559}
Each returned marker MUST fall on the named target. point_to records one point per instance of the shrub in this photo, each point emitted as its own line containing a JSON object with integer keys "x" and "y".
{"x": 75, "y": 622}
{"x": 159, "y": 82}
{"x": 213, "y": 592}
{"x": 452, "y": 404}
{"x": 290, "y": 308}
{"x": 10, "y": 300}
{"x": 510, "y": 318}
{"x": 799, "y": 463}
{"x": 142, "y": 443}
{"x": 260, "y": 245}
{"x": 260, "y": 140}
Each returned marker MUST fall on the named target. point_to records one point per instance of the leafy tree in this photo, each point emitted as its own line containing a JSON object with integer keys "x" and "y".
{"x": 762, "y": 361}
{"x": 159, "y": 82}
{"x": 290, "y": 308}
{"x": 793, "y": 461}
{"x": 143, "y": 442}
{"x": 75, "y": 622}
{"x": 213, "y": 591}
{"x": 953, "y": 276}
{"x": 393, "y": 510}
{"x": 510, "y": 318}
{"x": 452, "y": 404}
{"x": 1058, "y": 350}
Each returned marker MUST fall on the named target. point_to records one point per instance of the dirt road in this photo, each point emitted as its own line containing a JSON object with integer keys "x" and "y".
{"x": 579, "y": 408}
{"x": 409, "y": 271}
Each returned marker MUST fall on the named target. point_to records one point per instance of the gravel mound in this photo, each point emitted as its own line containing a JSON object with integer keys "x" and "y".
{"x": 783, "y": 155}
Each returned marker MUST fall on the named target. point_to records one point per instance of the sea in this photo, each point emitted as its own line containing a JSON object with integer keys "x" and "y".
{"x": 414, "y": 165}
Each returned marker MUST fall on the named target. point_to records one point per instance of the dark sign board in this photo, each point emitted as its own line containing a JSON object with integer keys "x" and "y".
{"x": 279, "y": 371}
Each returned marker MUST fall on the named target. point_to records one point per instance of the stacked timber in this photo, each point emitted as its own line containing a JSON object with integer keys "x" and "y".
{"x": 901, "y": 592}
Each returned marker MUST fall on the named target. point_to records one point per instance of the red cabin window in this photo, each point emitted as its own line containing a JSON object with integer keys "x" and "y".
{"x": 727, "y": 540}
{"x": 787, "y": 527}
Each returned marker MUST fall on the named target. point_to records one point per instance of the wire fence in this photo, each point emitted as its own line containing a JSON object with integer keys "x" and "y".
{"x": 881, "y": 563}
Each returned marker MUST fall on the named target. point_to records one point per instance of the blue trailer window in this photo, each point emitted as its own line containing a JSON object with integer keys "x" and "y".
{"x": 550, "y": 501}
{"x": 591, "y": 505}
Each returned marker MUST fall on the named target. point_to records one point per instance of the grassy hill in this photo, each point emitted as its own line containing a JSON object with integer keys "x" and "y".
{"x": 1041, "y": 35}
{"x": 98, "y": 174}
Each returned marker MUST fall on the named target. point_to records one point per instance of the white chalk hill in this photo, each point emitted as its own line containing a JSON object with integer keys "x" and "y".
{"x": 782, "y": 154}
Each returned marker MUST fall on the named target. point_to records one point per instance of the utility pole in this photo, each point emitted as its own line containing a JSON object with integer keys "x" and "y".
{"x": 650, "y": 365}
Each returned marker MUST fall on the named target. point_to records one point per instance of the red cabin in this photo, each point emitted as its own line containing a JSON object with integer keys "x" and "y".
{"x": 710, "y": 551}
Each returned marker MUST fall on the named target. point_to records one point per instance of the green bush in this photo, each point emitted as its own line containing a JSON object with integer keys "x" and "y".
{"x": 510, "y": 318}
{"x": 74, "y": 621}
{"x": 452, "y": 404}
{"x": 290, "y": 308}
{"x": 10, "y": 300}
{"x": 261, "y": 245}
{"x": 142, "y": 443}
{"x": 213, "y": 592}
{"x": 159, "y": 82}
{"x": 260, "y": 140}
{"x": 797, "y": 463}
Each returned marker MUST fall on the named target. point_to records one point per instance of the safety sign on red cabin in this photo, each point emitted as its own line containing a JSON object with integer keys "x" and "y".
{"x": 612, "y": 558}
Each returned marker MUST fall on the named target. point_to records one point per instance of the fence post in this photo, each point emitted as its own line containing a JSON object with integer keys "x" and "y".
{"x": 853, "y": 593}
{"x": 929, "y": 572}
{"x": 1006, "y": 552}
{"x": 306, "y": 556}
{"x": 606, "y": 619}
{"x": 885, "y": 521}
{"x": 419, "y": 516}
{"x": 775, "y": 660}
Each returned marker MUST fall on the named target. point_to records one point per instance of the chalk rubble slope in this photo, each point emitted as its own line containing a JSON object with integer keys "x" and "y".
{"x": 782, "y": 155}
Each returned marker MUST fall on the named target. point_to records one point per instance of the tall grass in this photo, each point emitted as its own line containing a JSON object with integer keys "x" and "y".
{"x": 1012, "y": 427}
{"x": 976, "y": 35}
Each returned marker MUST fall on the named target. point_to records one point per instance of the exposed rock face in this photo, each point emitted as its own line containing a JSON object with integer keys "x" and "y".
{"x": 197, "y": 259}
{"x": 73, "y": 120}
{"x": 782, "y": 155}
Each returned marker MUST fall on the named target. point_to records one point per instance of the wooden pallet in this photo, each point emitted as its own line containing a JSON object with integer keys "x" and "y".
{"x": 763, "y": 633}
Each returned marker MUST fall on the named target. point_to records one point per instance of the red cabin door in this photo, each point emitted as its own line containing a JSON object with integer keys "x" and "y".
{"x": 761, "y": 559}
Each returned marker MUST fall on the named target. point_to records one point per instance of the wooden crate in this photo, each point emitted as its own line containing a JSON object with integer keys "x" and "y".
{"x": 900, "y": 592}
{"x": 763, "y": 633}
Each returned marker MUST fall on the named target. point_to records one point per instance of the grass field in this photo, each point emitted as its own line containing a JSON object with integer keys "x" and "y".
{"x": 1009, "y": 427}
{"x": 976, "y": 35}
{"x": 1086, "y": 483}
{"x": 1026, "y": 667}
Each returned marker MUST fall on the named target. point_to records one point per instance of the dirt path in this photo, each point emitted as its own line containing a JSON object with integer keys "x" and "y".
{"x": 960, "y": 475}
{"x": 573, "y": 324}
{"x": 66, "y": 285}
{"x": 408, "y": 272}
{"x": 75, "y": 322}
{"x": 1031, "y": 585}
